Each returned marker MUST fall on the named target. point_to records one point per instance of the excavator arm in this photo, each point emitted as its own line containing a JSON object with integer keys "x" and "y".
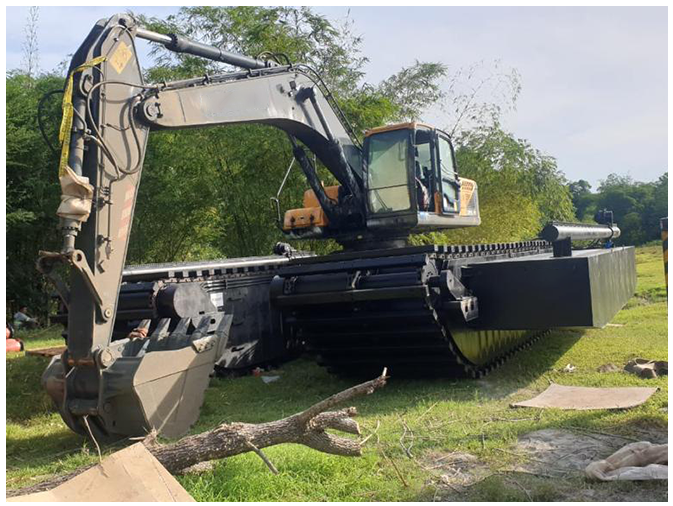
{"x": 130, "y": 386}
{"x": 113, "y": 113}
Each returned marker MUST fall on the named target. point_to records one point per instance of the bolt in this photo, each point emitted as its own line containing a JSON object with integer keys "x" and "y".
{"x": 106, "y": 358}
{"x": 107, "y": 313}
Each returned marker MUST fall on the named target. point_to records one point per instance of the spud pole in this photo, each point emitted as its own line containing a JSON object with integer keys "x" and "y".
{"x": 664, "y": 243}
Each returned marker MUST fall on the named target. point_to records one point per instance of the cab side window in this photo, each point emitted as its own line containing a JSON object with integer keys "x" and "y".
{"x": 388, "y": 184}
{"x": 424, "y": 169}
{"x": 448, "y": 175}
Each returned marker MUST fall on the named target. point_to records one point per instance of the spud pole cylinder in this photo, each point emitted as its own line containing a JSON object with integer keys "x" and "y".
{"x": 663, "y": 223}
{"x": 578, "y": 232}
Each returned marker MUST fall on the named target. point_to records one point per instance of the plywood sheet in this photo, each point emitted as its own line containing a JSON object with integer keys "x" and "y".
{"x": 584, "y": 398}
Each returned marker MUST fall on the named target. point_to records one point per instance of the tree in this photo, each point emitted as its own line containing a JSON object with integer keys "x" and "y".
{"x": 33, "y": 191}
{"x": 615, "y": 181}
{"x": 637, "y": 206}
{"x": 413, "y": 88}
{"x": 492, "y": 157}
{"x": 582, "y": 198}
{"x": 659, "y": 208}
{"x": 477, "y": 96}
{"x": 579, "y": 189}
{"x": 30, "y": 44}
{"x": 217, "y": 182}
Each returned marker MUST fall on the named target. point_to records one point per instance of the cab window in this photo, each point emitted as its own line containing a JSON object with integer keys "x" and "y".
{"x": 424, "y": 170}
{"x": 387, "y": 180}
{"x": 448, "y": 174}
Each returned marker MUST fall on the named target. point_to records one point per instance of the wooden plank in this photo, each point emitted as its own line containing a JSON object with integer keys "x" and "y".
{"x": 47, "y": 352}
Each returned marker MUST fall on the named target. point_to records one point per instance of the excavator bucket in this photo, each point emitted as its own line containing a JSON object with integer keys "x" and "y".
{"x": 155, "y": 383}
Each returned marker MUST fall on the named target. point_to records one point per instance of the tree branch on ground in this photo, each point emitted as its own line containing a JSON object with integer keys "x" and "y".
{"x": 307, "y": 428}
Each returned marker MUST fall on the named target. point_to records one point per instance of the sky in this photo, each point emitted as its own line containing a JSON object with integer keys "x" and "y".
{"x": 594, "y": 80}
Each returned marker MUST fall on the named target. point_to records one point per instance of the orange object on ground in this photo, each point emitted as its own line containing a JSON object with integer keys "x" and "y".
{"x": 13, "y": 345}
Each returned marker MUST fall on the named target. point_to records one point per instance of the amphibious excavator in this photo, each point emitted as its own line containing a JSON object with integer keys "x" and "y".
{"x": 142, "y": 340}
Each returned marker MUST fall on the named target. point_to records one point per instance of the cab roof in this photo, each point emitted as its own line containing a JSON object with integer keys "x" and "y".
{"x": 409, "y": 125}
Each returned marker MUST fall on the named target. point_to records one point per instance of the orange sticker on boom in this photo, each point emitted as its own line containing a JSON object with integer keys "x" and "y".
{"x": 121, "y": 57}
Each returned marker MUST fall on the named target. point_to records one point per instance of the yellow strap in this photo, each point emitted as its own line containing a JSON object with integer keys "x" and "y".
{"x": 66, "y": 122}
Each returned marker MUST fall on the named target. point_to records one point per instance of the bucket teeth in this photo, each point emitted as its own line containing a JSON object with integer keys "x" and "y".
{"x": 179, "y": 338}
{"x": 202, "y": 326}
{"x": 182, "y": 327}
{"x": 161, "y": 332}
{"x": 158, "y": 338}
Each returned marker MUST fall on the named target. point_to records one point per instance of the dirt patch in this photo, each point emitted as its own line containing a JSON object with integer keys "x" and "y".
{"x": 549, "y": 465}
{"x": 553, "y": 453}
{"x": 557, "y": 453}
{"x": 610, "y": 367}
{"x": 456, "y": 470}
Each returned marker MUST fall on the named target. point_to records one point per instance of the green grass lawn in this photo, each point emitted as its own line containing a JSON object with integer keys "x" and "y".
{"x": 442, "y": 415}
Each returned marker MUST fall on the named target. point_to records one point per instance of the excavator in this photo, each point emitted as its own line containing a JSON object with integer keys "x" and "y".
{"x": 143, "y": 340}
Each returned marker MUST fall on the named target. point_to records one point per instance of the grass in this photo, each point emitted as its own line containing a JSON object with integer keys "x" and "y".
{"x": 443, "y": 415}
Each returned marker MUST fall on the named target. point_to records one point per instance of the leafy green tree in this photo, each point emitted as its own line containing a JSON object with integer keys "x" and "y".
{"x": 493, "y": 157}
{"x": 637, "y": 206}
{"x": 414, "y": 88}
{"x": 582, "y": 198}
{"x": 579, "y": 189}
{"x": 32, "y": 188}
{"x": 615, "y": 181}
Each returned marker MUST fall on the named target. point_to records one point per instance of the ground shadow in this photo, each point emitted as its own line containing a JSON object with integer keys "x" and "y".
{"x": 303, "y": 382}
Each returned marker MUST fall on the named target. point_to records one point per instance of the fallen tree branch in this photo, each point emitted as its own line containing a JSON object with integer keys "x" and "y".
{"x": 229, "y": 439}
{"x": 261, "y": 455}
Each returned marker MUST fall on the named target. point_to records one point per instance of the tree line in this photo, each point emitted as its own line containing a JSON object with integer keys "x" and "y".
{"x": 637, "y": 206}
{"x": 206, "y": 193}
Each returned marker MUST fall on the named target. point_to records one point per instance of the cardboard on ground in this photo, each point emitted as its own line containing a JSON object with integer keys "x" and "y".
{"x": 131, "y": 474}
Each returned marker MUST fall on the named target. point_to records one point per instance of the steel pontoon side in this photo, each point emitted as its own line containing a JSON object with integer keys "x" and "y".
{"x": 363, "y": 311}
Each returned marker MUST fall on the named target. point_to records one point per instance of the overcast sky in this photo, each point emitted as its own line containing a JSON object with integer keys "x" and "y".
{"x": 594, "y": 80}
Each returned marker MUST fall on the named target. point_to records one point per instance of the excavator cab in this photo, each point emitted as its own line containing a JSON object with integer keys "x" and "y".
{"x": 412, "y": 181}
{"x": 411, "y": 185}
